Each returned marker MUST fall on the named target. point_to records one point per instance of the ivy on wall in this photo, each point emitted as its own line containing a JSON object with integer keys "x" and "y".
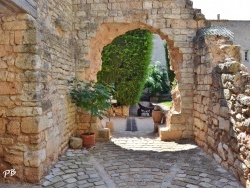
{"x": 125, "y": 63}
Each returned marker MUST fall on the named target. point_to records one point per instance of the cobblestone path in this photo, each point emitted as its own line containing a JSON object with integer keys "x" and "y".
{"x": 137, "y": 159}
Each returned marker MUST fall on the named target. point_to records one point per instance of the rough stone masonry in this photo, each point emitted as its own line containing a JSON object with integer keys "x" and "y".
{"x": 39, "y": 54}
{"x": 221, "y": 103}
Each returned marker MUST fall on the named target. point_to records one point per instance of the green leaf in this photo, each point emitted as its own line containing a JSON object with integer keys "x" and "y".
{"x": 125, "y": 63}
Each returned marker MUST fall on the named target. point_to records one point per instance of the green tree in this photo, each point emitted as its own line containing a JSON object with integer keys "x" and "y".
{"x": 157, "y": 81}
{"x": 171, "y": 74}
{"x": 125, "y": 64}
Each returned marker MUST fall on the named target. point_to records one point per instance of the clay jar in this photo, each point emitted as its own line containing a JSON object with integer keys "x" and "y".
{"x": 88, "y": 140}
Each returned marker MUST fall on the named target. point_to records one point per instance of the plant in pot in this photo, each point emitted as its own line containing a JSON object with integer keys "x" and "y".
{"x": 157, "y": 116}
{"x": 95, "y": 99}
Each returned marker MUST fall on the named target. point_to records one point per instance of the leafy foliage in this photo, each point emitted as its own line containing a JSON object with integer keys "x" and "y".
{"x": 125, "y": 63}
{"x": 157, "y": 81}
{"x": 92, "y": 97}
{"x": 171, "y": 74}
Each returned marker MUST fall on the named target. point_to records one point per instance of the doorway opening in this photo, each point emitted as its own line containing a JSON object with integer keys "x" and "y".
{"x": 138, "y": 65}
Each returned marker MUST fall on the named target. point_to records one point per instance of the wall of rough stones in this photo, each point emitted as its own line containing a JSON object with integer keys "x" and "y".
{"x": 56, "y": 51}
{"x": 19, "y": 85}
{"x": 97, "y": 23}
{"x": 38, "y": 57}
{"x": 221, "y": 103}
{"x": 83, "y": 123}
{"x": 36, "y": 112}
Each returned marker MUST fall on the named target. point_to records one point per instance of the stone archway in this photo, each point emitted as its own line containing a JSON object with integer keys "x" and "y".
{"x": 65, "y": 38}
{"x": 97, "y": 24}
{"x": 109, "y": 31}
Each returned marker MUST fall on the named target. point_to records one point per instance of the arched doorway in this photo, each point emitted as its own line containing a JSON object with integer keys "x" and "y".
{"x": 141, "y": 81}
{"x": 97, "y": 24}
{"x": 181, "y": 112}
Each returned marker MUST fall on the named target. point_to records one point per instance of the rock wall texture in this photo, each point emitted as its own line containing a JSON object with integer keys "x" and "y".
{"x": 65, "y": 39}
{"x": 19, "y": 108}
{"x": 221, "y": 103}
{"x": 83, "y": 123}
{"x": 97, "y": 23}
{"x": 54, "y": 19}
{"x": 36, "y": 114}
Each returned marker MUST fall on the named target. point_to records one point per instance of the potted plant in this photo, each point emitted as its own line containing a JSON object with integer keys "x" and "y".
{"x": 94, "y": 98}
{"x": 157, "y": 116}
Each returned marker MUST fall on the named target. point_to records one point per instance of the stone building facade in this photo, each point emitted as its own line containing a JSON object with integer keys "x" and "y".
{"x": 42, "y": 50}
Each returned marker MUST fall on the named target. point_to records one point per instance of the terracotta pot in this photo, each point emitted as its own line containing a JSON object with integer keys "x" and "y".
{"x": 157, "y": 116}
{"x": 88, "y": 140}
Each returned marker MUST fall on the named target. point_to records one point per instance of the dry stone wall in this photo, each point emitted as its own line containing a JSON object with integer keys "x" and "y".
{"x": 221, "y": 103}
{"x": 83, "y": 123}
{"x": 36, "y": 112}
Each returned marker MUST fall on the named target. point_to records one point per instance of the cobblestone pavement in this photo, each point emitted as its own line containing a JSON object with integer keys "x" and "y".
{"x": 137, "y": 159}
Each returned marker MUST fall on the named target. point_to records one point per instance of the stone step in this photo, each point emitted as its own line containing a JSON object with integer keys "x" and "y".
{"x": 166, "y": 134}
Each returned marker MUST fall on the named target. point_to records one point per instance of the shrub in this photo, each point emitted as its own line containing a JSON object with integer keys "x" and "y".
{"x": 157, "y": 81}
{"x": 92, "y": 97}
{"x": 125, "y": 63}
{"x": 171, "y": 74}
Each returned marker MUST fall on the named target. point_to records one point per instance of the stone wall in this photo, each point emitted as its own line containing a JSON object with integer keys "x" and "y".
{"x": 39, "y": 55}
{"x": 19, "y": 108}
{"x": 241, "y": 35}
{"x": 54, "y": 19}
{"x": 97, "y": 23}
{"x": 221, "y": 104}
{"x": 83, "y": 123}
{"x": 36, "y": 112}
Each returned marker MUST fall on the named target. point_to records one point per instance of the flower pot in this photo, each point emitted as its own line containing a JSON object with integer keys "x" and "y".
{"x": 88, "y": 140}
{"x": 157, "y": 116}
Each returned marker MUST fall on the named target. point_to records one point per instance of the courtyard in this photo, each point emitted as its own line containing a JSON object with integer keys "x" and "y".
{"x": 44, "y": 44}
{"x": 136, "y": 159}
